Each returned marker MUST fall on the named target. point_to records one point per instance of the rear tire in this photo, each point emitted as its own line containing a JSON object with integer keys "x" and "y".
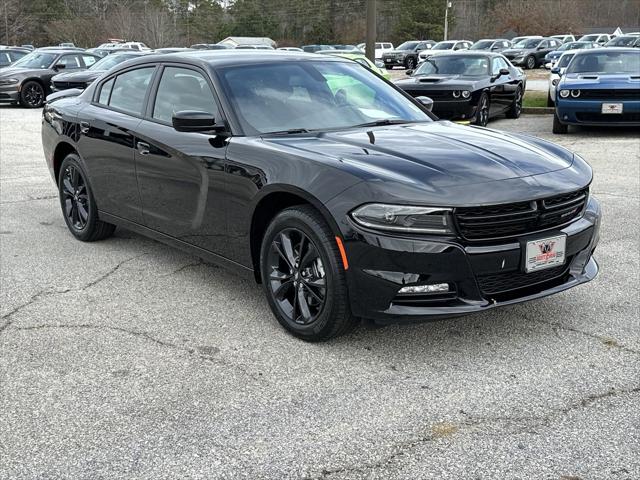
{"x": 558, "y": 127}
{"x": 78, "y": 205}
{"x": 304, "y": 277}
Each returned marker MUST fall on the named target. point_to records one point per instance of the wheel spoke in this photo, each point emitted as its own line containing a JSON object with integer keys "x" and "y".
{"x": 84, "y": 215}
{"x": 310, "y": 256}
{"x": 294, "y": 312}
{"x": 278, "y": 275}
{"x": 68, "y": 207}
{"x": 68, "y": 188}
{"x": 301, "y": 246}
{"x": 287, "y": 246}
{"x": 313, "y": 294}
{"x": 282, "y": 290}
{"x": 74, "y": 178}
{"x": 304, "y": 307}
{"x": 316, "y": 282}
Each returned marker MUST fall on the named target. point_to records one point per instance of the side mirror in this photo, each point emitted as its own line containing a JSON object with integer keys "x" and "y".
{"x": 59, "y": 66}
{"x": 408, "y": 72}
{"x": 504, "y": 71}
{"x": 557, "y": 71}
{"x": 425, "y": 102}
{"x": 194, "y": 121}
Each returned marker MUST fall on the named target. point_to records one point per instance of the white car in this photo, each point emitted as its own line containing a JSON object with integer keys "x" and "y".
{"x": 381, "y": 47}
{"x": 556, "y": 72}
{"x": 599, "y": 38}
{"x": 564, "y": 38}
{"x": 446, "y": 46}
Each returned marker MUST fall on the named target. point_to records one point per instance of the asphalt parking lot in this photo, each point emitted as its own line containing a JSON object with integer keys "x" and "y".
{"x": 128, "y": 359}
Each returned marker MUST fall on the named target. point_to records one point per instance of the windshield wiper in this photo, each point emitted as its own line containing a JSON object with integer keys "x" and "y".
{"x": 381, "y": 122}
{"x": 291, "y": 131}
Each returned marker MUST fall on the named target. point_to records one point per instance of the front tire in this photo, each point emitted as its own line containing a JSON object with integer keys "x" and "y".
{"x": 304, "y": 277}
{"x": 531, "y": 62}
{"x": 558, "y": 127}
{"x": 516, "y": 106}
{"x": 410, "y": 63}
{"x": 78, "y": 205}
{"x": 482, "y": 112}
{"x": 32, "y": 95}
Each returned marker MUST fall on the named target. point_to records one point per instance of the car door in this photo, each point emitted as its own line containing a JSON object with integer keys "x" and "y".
{"x": 541, "y": 51}
{"x": 107, "y": 140}
{"x": 503, "y": 88}
{"x": 180, "y": 174}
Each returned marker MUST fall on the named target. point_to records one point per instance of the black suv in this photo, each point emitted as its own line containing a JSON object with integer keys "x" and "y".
{"x": 406, "y": 55}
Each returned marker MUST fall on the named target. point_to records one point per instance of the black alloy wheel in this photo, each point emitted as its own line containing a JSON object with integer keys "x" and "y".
{"x": 531, "y": 62}
{"x": 75, "y": 198}
{"x": 482, "y": 111}
{"x": 78, "y": 205}
{"x": 303, "y": 275}
{"x": 297, "y": 277}
{"x": 515, "y": 110}
{"x": 410, "y": 63}
{"x": 32, "y": 95}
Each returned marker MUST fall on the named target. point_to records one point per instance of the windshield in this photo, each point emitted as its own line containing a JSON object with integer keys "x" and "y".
{"x": 603, "y": 61}
{"x": 443, "y": 46}
{"x": 458, "y": 65}
{"x": 590, "y": 38}
{"x": 312, "y": 95}
{"x": 564, "y": 60}
{"x": 111, "y": 61}
{"x": 408, "y": 46}
{"x": 527, "y": 43}
{"x": 482, "y": 45}
{"x": 36, "y": 60}
{"x": 621, "y": 41}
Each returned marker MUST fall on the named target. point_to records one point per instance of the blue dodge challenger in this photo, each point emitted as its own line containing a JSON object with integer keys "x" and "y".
{"x": 599, "y": 87}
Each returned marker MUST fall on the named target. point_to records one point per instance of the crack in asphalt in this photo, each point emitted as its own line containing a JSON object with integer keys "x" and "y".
{"x": 30, "y": 199}
{"x": 187, "y": 266}
{"x": 7, "y": 317}
{"x": 610, "y": 342}
{"x": 400, "y": 448}
{"x": 203, "y": 353}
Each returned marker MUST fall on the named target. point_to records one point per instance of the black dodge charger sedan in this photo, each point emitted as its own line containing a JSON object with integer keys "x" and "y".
{"x": 27, "y": 81}
{"x": 330, "y": 186}
{"x": 468, "y": 86}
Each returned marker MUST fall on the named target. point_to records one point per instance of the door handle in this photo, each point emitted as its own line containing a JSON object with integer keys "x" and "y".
{"x": 84, "y": 127}
{"x": 143, "y": 148}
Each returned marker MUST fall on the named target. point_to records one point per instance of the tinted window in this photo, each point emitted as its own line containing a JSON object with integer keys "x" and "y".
{"x": 454, "y": 65}
{"x": 182, "y": 89}
{"x": 564, "y": 60}
{"x": 5, "y": 59}
{"x": 499, "y": 63}
{"x": 112, "y": 60}
{"x": 130, "y": 89}
{"x": 36, "y": 60}
{"x": 482, "y": 45}
{"x": 602, "y": 60}
{"x": 312, "y": 95}
{"x": 17, "y": 55}
{"x": 105, "y": 92}
{"x": 407, "y": 46}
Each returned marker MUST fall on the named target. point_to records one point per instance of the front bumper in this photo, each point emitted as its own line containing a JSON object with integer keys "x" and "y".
{"x": 454, "y": 109}
{"x": 380, "y": 265}
{"x": 589, "y": 112}
{"x": 393, "y": 61}
{"x": 10, "y": 93}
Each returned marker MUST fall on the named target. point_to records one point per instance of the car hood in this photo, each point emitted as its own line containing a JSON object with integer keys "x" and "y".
{"x": 437, "y": 82}
{"x": 600, "y": 80}
{"x": 437, "y": 154}
{"x": 82, "y": 76}
{"x": 24, "y": 72}
{"x": 393, "y": 52}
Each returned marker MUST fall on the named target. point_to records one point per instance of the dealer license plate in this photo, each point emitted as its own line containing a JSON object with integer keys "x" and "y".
{"x": 612, "y": 108}
{"x": 545, "y": 253}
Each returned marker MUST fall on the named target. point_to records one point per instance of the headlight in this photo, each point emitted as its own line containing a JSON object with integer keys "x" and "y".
{"x": 9, "y": 81}
{"x": 402, "y": 218}
{"x": 564, "y": 93}
{"x": 466, "y": 94}
{"x": 575, "y": 93}
{"x": 456, "y": 94}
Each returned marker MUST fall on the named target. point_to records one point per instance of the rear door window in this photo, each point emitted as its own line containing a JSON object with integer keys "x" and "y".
{"x": 130, "y": 89}
{"x": 70, "y": 62}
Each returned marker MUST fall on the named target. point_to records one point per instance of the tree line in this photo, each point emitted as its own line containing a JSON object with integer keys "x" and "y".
{"x": 296, "y": 22}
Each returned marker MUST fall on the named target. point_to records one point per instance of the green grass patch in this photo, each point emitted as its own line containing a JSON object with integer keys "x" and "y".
{"x": 535, "y": 99}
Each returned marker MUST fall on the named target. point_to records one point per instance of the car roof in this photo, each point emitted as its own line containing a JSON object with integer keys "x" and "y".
{"x": 218, "y": 58}
{"x": 469, "y": 53}
{"x": 588, "y": 51}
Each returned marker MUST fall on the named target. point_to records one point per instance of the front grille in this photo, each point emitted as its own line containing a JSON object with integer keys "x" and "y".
{"x": 433, "y": 94}
{"x": 611, "y": 94}
{"x": 504, "y": 282}
{"x": 608, "y": 117}
{"x": 513, "y": 219}
{"x": 67, "y": 85}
